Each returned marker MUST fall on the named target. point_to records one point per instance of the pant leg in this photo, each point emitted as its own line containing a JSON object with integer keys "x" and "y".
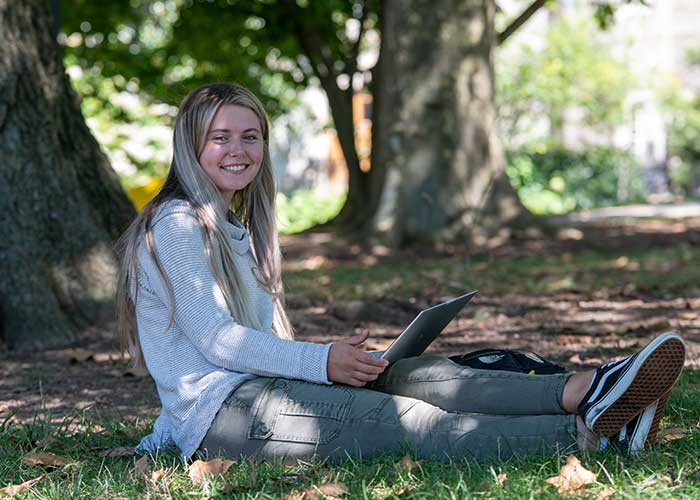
{"x": 288, "y": 418}
{"x": 452, "y": 387}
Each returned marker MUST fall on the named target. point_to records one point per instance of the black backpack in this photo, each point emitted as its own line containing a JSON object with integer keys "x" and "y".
{"x": 508, "y": 360}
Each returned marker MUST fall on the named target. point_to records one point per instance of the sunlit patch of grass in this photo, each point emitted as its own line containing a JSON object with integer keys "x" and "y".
{"x": 668, "y": 270}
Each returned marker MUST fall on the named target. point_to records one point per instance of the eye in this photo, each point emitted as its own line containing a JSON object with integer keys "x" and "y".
{"x": 219, "y": 138}
{"x": 250, "y": 138}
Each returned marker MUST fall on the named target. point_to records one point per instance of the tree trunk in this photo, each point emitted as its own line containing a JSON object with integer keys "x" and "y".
{"x": 61, "y": 206}
{"x": 436, "y": 133}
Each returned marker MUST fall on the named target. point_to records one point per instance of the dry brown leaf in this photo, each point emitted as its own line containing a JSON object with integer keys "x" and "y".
{"x": 605, "y": 493}
{"x": 406, "y": 489}
{"x": 123, "y": 451}
{"x": 156, "y": 475}
{"x": 572, "y": 476}
{"x": 327, "y": 490}
{"x": 44, "y": 459}
{"x": 16, "y": 489}
{"x": 141, "y": 465}
{"x": 672, "y": 433}
{"x": 318, "y": 492}
{"x": 407, "y": 463}
{"x": 200, "y": 469}
{"x": 501, "y": 478}
{"x": 331, "y": 489}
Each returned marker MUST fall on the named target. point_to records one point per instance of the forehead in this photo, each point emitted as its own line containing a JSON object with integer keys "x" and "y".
{"x": 234, "y": 117}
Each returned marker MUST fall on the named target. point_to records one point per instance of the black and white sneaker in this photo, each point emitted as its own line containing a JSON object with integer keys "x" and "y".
{"x": 634, "y": 435}
{"x": 623, "y": 389}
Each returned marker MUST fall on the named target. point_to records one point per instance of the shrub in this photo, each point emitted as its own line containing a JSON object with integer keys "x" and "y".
{"x": 554, "y": 179}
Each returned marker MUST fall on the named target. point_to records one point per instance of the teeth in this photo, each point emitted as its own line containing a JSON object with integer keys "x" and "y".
{"x": 233, "y": 168}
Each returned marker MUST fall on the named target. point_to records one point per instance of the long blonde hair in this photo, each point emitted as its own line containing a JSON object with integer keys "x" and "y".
{"x": 253, "y": 205}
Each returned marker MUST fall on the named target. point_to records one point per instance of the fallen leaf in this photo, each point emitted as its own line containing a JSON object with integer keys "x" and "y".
{"x": 405, "y": 489}
{"x": 407, "y": 463}
{"x": 671, "y": 434}
{"x": 123, "y": 451}
{"x": 44, "y": 459}
{"x": 16, "y": 489}
{"x": 326, "y": 490}
{"x": 156, "y": 475}
{"x": 572, "y": 476}
{"x": 79, "y": 355}
{"x": 605, "y": 493}
{"x": 501, "y": 478}
{"x": 200, "y": 469}
{"x": 332, "y": 490}
{"x": 141, "y": 465}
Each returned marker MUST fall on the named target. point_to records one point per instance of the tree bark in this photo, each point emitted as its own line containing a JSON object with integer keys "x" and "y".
{"x": 357, "y": 207}
{"x": 61, "y": 205}
{"x": 436, "y": 133}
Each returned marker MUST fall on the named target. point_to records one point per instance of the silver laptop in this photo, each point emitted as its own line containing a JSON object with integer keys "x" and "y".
{"x": 425, "y": 328}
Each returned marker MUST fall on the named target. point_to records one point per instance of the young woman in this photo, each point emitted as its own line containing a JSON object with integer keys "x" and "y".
{"x": 201, "y": 303}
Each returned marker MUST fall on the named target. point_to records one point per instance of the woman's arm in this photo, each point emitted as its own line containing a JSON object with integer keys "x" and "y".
{"x": 202, "y": 314}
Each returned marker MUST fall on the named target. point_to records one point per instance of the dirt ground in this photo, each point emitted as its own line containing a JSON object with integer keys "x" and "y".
{"x": 576, "y": 329}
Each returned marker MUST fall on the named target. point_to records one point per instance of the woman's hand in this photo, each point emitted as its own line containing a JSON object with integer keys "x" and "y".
{"x": 347, "y": 364}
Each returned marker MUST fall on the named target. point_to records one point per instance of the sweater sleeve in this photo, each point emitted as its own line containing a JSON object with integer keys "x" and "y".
{"x": 202, "y": 314}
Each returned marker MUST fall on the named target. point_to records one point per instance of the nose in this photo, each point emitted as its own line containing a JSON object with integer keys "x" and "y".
{"x": 235, "y": 147}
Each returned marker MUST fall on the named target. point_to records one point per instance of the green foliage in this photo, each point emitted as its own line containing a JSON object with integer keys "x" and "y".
{"x": 574, "y": 70}
{"x": 167, "y": 48}
{"x": 304, "y": 209}
{"x": 604, "y": 10}
{"x": 132, "y": 130}
{"x": 553, "y": 179}
{"x": 684, "y": 133}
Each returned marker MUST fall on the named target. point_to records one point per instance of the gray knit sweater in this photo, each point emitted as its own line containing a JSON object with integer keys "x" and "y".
{"x": 205, "y": 354}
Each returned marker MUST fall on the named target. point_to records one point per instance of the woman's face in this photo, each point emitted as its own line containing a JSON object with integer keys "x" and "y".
{"x": 233, "y": 150}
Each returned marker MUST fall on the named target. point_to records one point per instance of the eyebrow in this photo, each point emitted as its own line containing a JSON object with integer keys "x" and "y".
{"x": 227, "y": 130}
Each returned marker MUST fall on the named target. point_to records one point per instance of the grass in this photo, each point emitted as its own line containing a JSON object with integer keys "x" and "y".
{"x": 665, "y": 270}
{"x": 670, "y": 470}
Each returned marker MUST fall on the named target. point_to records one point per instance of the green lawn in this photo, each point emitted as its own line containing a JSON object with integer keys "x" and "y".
{"x": 668, "y": 270}
{"x": 670, "y": 470}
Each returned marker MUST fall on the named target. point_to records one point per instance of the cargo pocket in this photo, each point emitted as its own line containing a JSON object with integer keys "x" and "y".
{"x": 300, "y": 412}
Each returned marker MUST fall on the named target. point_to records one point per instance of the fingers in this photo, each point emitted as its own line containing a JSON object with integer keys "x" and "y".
{"x": 368, "y": 369}
{"x": 358, "y": 339}
{"x": 370, "y": 360}
{"x": 365, "y": 377}
{"x": 356, "y": 382}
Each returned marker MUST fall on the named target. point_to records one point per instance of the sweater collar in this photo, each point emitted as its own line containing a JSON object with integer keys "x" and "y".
{"x": 239, "y": 236}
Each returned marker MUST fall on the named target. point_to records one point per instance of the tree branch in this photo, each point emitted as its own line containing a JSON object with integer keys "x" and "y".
{"x": 351, "y": 62}
{"x": 520, "y": 20}
{"x": 311, "y": 44}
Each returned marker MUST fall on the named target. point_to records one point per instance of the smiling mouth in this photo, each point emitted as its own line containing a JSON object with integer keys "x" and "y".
{"x": 234, "y": 168}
